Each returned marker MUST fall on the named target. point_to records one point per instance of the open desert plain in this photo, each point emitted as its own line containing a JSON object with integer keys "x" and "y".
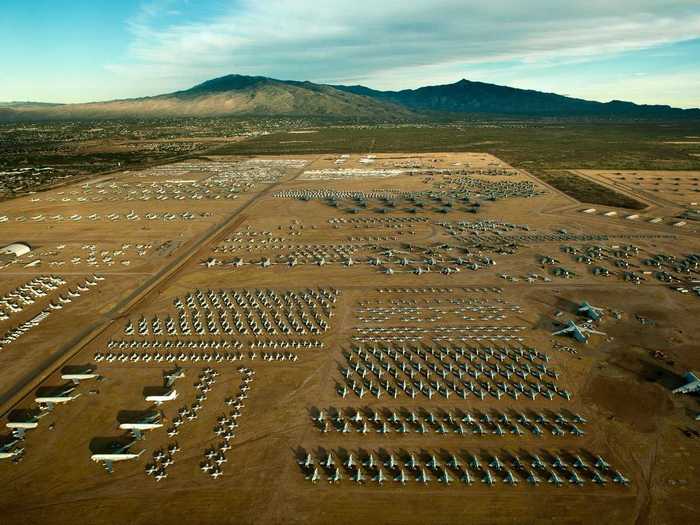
{"x": 433, "y": 337}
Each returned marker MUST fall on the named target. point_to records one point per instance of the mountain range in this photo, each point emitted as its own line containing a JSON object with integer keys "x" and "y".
{"x": 262, "y": 96}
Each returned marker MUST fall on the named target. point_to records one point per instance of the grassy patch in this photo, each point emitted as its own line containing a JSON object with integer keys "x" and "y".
{"x": 585, "y": 190}
{"x": 524, "y": 144}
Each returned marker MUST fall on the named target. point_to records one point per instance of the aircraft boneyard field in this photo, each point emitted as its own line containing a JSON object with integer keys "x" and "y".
{"x": 395, "y": 338}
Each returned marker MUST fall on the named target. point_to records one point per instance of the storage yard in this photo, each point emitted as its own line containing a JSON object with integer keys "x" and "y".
{"x": 384, "y": 338}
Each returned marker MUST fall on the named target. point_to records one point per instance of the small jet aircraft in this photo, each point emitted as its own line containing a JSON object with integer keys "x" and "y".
{"x": 170, "y": 377}
{"x": 598, "y": 478}
{"x": 488, "y": 479}
{"x": 314, "y": 476}
{"x": 466, "y": 478}
{"x": 307, "y": 462}
{"x": 401, "y": 477}
{"x": 620, "y": 479}
{"x": 580, "y": 333}
{"x": 445, "y": 477}
{"x": 575, "y": 479}
{"x": 601, "y": 464}
{"x": 335, "y": 477}
{"x": 423, "y": 477}
{"x": 510, "y": 479}
{"x": 532, "y": 478}
{"x": 555, "y": 480}
{"x": 358, "y": 477}
{"x": 380, "y": 477}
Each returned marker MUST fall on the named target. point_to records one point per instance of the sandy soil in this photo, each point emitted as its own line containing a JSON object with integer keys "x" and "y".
{"x": 623, "y": 391}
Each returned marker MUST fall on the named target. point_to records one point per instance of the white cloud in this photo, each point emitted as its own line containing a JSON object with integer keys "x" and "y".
{"x": 389, "y": 43}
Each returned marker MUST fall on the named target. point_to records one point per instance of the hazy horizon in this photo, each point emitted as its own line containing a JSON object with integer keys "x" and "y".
{"x": 82, "y": 51}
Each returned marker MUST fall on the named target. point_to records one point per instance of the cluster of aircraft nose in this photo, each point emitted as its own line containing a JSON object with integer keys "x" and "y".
{"x": 422, "y": 421}
{"x": 14, "y": 301}
{"x": 48, "y": 284}
{"x": 460, "y": 370}
{"x": 215, "y": 457}
{"x": 403, "y": 467}
{"x": 243, "y": 312}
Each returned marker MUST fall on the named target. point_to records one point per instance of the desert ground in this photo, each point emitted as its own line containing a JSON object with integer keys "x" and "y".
{"x": 362, "y": 338}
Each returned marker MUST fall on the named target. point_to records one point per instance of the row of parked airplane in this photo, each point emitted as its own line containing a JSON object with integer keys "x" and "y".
{"x": 489, "y": 472}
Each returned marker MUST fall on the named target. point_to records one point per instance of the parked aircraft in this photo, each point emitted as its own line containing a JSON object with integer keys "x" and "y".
{"x": 137, "y": 428}
{"x": 592, "y": 312}
{"x": 63, "y": 395}
{"x": 170, "y": 395}
{"x": 580, "y": 333}
{"x": 119, "y": 452}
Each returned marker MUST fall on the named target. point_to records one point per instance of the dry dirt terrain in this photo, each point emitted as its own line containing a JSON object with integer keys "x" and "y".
{"x": 351, "y": 339}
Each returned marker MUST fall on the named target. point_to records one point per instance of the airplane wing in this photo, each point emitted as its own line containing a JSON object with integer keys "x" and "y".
{"x": 563, "y": 331}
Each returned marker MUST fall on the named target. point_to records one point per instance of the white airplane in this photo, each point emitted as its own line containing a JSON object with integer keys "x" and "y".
{"x": 20, "y": 427}
{"x": 555, "y": 480}
{"x": 601, "y": 464}
{"x": 380, "y": 477}
{"x": 307, "y": 462}
{"x": 13, "y": 453}
{"x": 77, "y": 377}
{"x": 580, "y": 333}
{"x": 314, "y": 476}
{"x": 358, "y": 477}
{"x": 401, "y": 477}
{"x": 170, "y": 377}
{"x": 120, "y": 453}
{"x": 620, "y": 479}
{"x": 532, "y": 478}
{"x": 599, "y": 478}
{"x": 137, "y": 428}
{"x": 335, "y": 477}
{"x": 488, "y": 479}
{"x": 423, "y": 476}
{"x": 466, "y": 478}
{"x": 445, "y": 477}
{"x": 510, "y": 479}
{"x": 576, "y": 479}
{"x": 61, "y": 396}
{"x": 159, "y": 399}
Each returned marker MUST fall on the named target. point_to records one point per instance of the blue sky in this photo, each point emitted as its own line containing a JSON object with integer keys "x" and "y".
{"x": 646, "y": 51}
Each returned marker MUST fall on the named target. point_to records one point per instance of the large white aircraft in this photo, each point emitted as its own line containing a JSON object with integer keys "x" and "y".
{"x": 77, "y": 377}
{"x": 119, "y": 453}
{"x": 170, "y": 395}
{"x": 11, "y": 453}
{"x": 63, "y": 395}
{"x": 137, "y": 428}
{"x": 30, "y": 423}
